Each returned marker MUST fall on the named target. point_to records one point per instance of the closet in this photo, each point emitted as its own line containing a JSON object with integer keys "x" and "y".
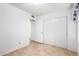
{"x": 55, "y": 31}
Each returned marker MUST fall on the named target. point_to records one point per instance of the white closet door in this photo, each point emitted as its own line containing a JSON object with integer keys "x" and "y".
{"x": 55, "y": 31}
{"x": 39, "y": 31}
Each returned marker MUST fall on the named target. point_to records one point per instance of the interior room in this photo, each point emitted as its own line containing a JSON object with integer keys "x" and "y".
{"x": 39, "y": 29}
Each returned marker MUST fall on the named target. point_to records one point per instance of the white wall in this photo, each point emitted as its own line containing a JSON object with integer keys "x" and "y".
{"x": 78, "y": 39}
{"x": 71, "y": 45}
{"x": 78, "y": 31}
{"x": 15, "y": 28}
{"x": 72, "y": 33}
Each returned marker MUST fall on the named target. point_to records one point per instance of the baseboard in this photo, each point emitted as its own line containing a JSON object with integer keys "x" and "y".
{"x": 8, "y": 52}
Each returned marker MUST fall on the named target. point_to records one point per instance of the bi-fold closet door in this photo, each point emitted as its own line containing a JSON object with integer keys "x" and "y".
{"x": 55, "y": 31}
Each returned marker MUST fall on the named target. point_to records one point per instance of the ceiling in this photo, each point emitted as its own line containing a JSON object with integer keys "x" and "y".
{"x": 42, "y": 8}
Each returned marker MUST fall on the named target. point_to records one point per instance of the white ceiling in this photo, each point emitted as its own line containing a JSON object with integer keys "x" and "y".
{"x": 42, "y": 8}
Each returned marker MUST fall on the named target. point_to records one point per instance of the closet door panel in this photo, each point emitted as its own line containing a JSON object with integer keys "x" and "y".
{"x": 55, "y": 31}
